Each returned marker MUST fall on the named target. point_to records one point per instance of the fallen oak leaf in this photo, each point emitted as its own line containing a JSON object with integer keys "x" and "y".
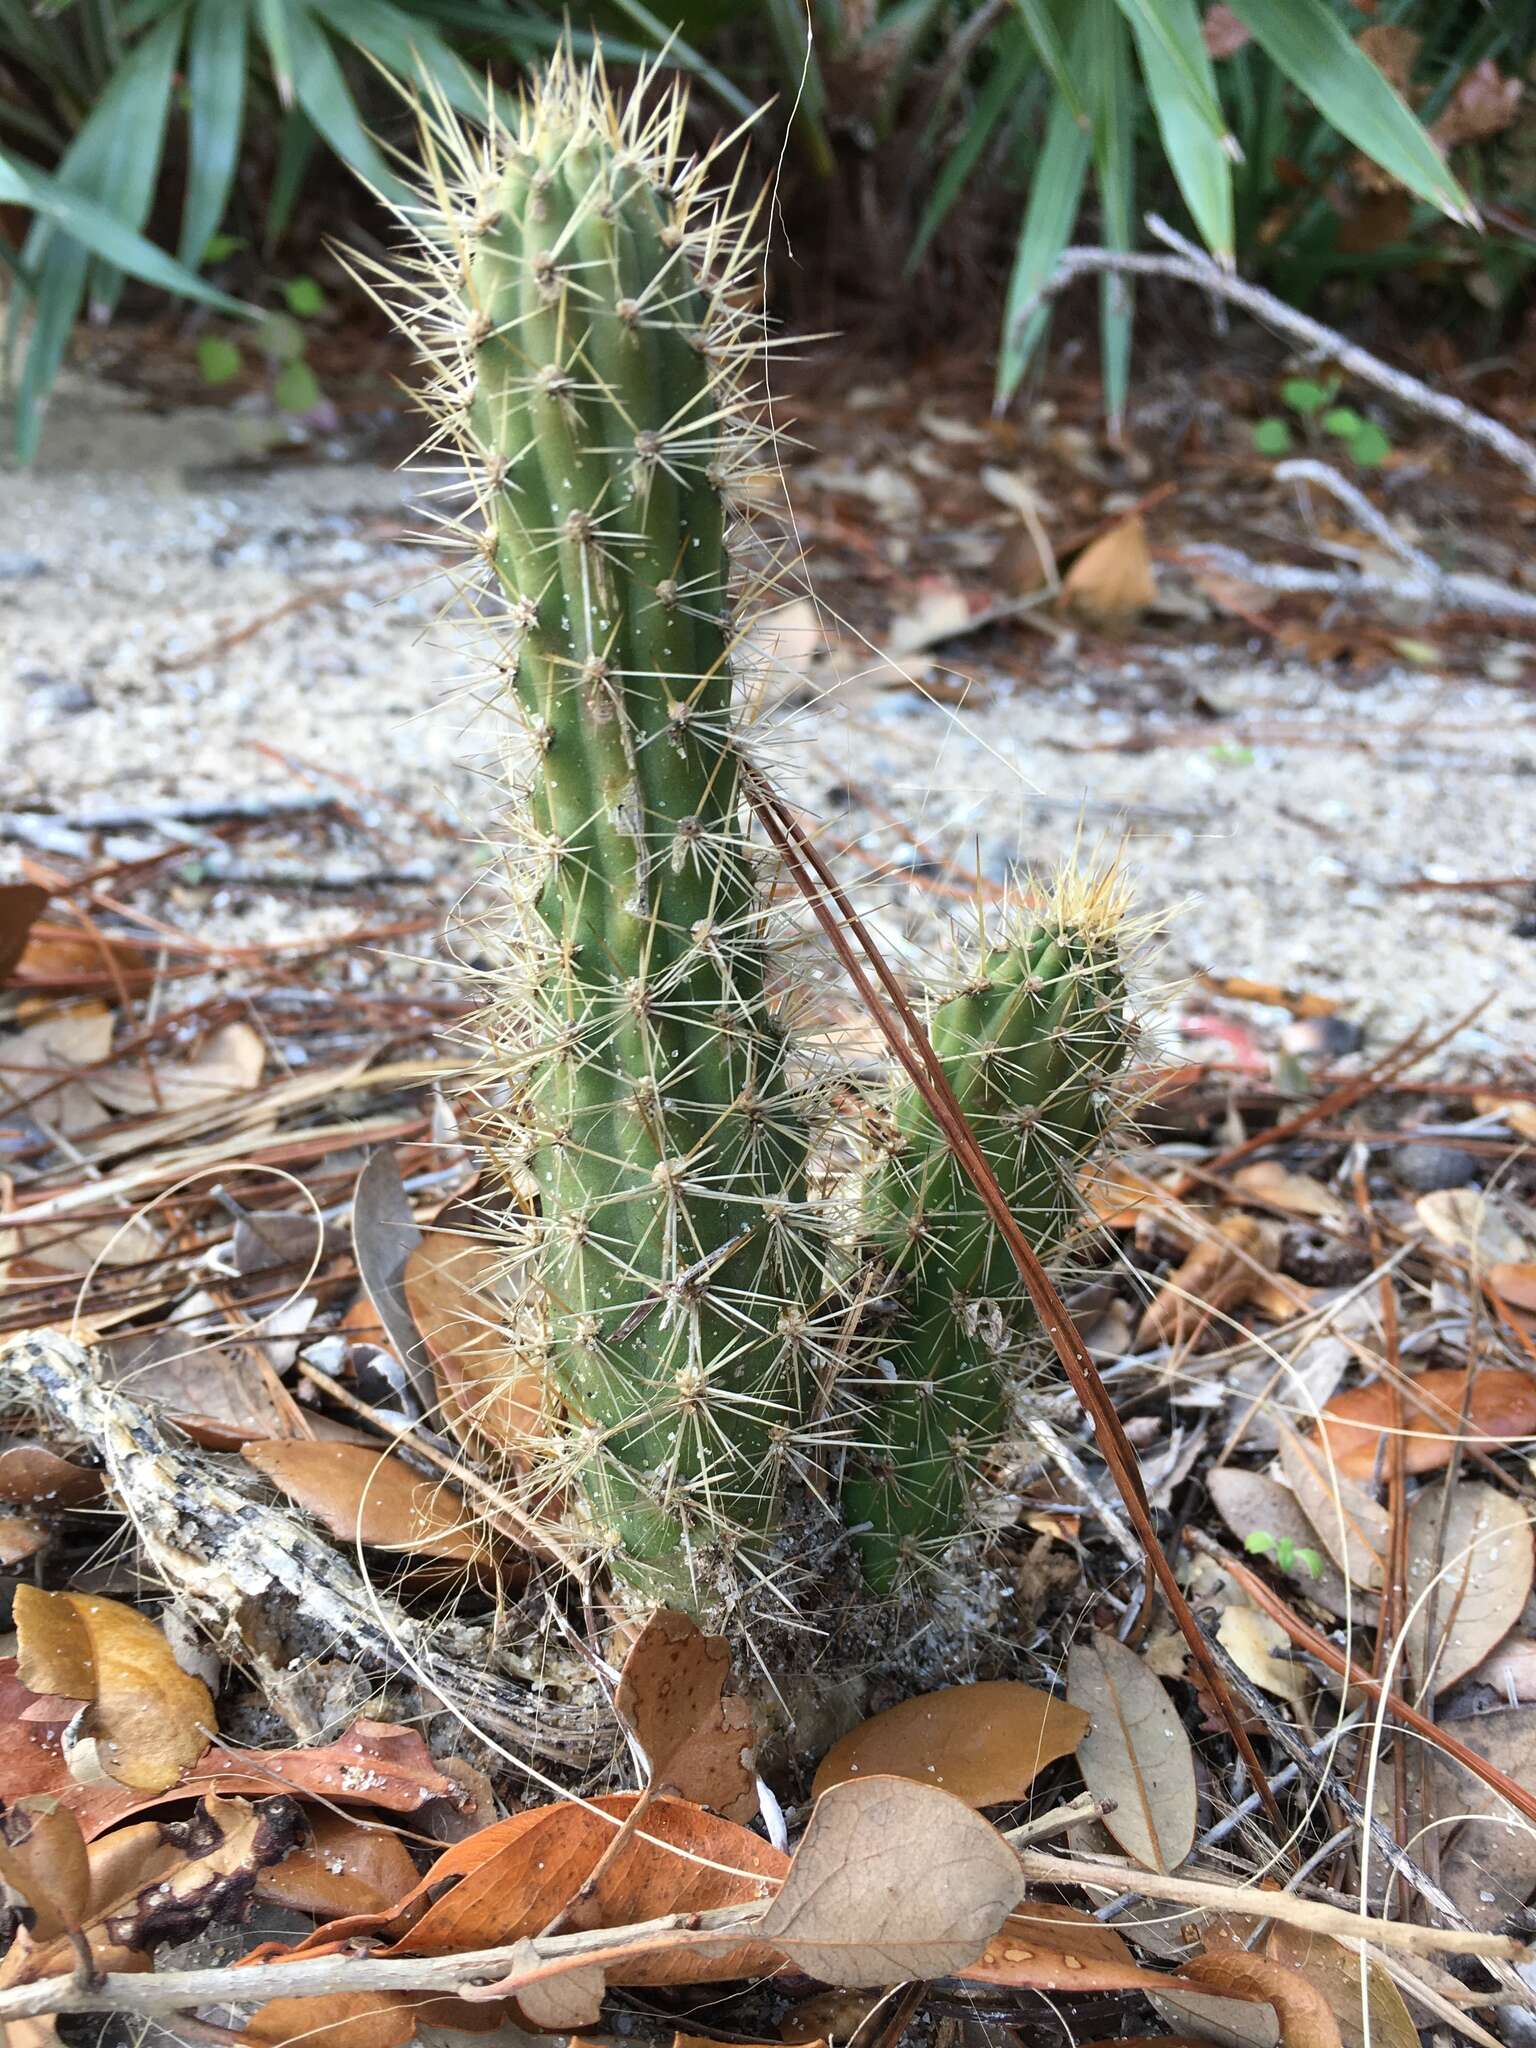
{"x": 1351, "y": 1527}
{"x": 1499, "y": 1404}
{"x": 1112, "y": 579}
{"x": 1376, "y": 2019}
{"x": 150, "y": 1718}
{"x": 43, "y": 1857}
{"x": 892, "y": 1880}
{"x": 1469, "y": 1576}
{"x": 486, "y": 1396}
{"x": 985, "y": 1743}
{"x": 1136, "y": 1756}
{"x": 1220, "y": 1273}
{"x": 697, "y": 1737}
{"x": 1252, "y": 1505}
{"x": 1306, "y": 2019}
{"x": 371, "y": 1497}
{"x": 344, "y": 1867}
{"x": 1047, "y": 1947}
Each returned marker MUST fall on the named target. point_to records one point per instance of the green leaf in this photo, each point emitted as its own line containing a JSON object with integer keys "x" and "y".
{"x": 1370, "y": 447}
{"x": 219, "y": 248}
{"x": 218, "y": 360}
{"x": 1303, "y": 396}
{"x": 1112, "y": 95}
{"x": 1174, "y": 31}
{"x": 296, "y": 389}
{"x": 1194, "y": 135}
{"x": 1313, "y": 1560}
{"x": 1013, "y": 62}
{"x": 304, "y": 296}
{"x": 282, "y": 337}
{"x": 1343, "y": 421}
{"x": 1055, "y": 194}
{"x": 408, "y": 46}
{"x": 1308, "y": 42}
{"x": 296, "y": 146}
{"x": 1272, "y": 437}
{"x": 1259, "y": 1541}
{"x": 216, "y": 65}
{"x": 319, "y": 86}
{"x": 1285, "y": 1552}
{"x": 1052, "y": 51}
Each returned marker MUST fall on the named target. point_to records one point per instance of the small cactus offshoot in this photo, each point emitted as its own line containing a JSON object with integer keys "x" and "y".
{"x": 584, "y": 292}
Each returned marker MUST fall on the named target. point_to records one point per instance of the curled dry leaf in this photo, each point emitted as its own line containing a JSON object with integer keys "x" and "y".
{"x": 1298, "y": 1194}
{"x": 1135, "y": 1753}
{"x": 1258, "y": 1646}
{"x": 149, "y": 1718}
{"x": 1046, "y": 1947}
{"x": 511, "y": 1879}
{"x": 1469, "y": 1577}
{"x": 371, "y": 1497}
{"x": 43, "y": 1857}
{"x": 1251, "y": 1504}
{"x": 891, "y": 1881}
{"x": 21, "y": 1537}
{"x": 1351, "y": 1527}
{"x": 1365, "y": 2003}
{"x": 450, "y": 1289}
{"x": 339, "y": 2019}
{"x": 33, "y": 1476}
{"x": 984, "y": 1743}
{"x": 1500, "y": 1406}
{"x": 1112, "y": 580}
{"x": 1221, "y": 1273}
{"x": 384, "y": 1234}
{"x": 1468, "y": 1223}
{"x": 1306, "y": 2019}
{"x": 697, "y": 1737}
{"x": 344, "y": 1867}
{"x": 1515, "y": 1285}
{"x": 1118, "y": 1196}
{"x": 21, "y": 904}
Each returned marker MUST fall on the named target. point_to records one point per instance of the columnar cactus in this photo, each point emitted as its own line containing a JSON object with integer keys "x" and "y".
{"x": 1029, "y": 1046}
{"x": 586, "y": 301}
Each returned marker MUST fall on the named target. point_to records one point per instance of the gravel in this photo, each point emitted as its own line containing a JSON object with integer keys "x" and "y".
{"x": 135, "y": 557}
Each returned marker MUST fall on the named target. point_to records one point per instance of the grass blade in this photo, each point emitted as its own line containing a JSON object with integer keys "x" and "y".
{"x": 216, "y": 57}
{"x": 1114, "y": 163}
{"x": 1015, "y": 59}
{"x": 1055, "y": 195}
{"x": 1196, "y": 154}
{"x": 1308, "y": 43}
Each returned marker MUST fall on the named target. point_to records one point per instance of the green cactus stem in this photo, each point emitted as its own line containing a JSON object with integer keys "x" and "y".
{"x": 588, "y": 309}
{"x": 1029, "y": 1045}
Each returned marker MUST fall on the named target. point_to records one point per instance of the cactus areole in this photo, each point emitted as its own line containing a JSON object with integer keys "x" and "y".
{"x": 584, "y": 291}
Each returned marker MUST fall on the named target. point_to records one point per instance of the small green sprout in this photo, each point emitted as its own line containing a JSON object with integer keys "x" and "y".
{"x": 1286, "y": 1552}
{"x": 1313, "y": 405}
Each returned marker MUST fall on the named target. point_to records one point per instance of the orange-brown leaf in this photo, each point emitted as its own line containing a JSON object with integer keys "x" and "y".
{"x": 1221, "y": 1273}
{"x": 984, "y": 1743}
{"x": 697, "y": 1737}
{"x": 1046, "y": 1947}
{"x": 344, "y": 1867}
{"x": 1306, "y": 2019}
{"x": 1501, "y": 1406}
{"x": 150, "y": 1718}
{"x": 371, "y": 1497}
{"x": 489, "y": 1395}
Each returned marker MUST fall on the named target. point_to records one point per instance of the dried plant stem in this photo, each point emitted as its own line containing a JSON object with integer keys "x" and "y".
{"x": 1190, "y": 265}
{"x": 904, "y": 1034}
{"x": 1216, "y": 1894}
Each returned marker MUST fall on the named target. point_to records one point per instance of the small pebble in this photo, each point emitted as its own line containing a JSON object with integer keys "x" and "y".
{"x": 64, "y": 694}
{"x": 1427, "y": 1167}
{"x": 16, "y": 568}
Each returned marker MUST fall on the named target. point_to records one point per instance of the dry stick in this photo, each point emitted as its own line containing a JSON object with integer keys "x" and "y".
{"x": 1190, "y": 265}
{"x": 916, "y": 1055}
{"x": 544, "y": 1957}
{"x": 1457, "y": 590}
{"x": 1345, "y": 1667}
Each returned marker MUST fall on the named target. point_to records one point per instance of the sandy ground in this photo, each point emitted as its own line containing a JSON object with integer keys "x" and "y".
{"x": 134, "y": 557}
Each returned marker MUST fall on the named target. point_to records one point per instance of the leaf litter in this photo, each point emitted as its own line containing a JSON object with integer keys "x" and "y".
{"x": 250, "y": 1159}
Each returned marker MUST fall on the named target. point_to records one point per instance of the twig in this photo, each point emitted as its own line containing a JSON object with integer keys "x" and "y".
{"x": 1190, "y": 265}
{"x": 1217, "y": 1894}
{"x": 1463, "y": 592}
{"x": 236, "y": 1567}
{"x": 1307, "y": 470}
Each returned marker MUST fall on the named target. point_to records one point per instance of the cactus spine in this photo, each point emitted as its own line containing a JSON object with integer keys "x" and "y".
{"x": 581, "y": 292}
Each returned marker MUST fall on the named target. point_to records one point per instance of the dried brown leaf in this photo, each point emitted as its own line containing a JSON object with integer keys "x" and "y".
{"x": 344, "y": 1867}
{"x": 1258, "y": 1646}
{"x": 1488, "y": 1861}
{"x": 227, "y": 1065}
{"x": 697, "y": 1737}
{"x": 1515, "y": 1285}
{"x": 43, "y": 1857}
{"x": 1351, "y": 1527}
{"x": 371, "y": 1497}
{"x": 1220, "y": 1274}
{"x": 149, "y": 1717}
{"x": 36, "y": 1063}
{"x": 892, "y": 1880}
{"x": 1364, "y": 2001}
{"x": 1047, "y": 1947}
{"x": 1485, "y": 103}
{"x": 1298, "y": 1194}
{"x": 384, "y": 1234}
{"x": 1112, "y": 579}
{"x": 1306, "y": 2020}
{"x": 1135, "y": 1753}
{"x": 984, "y": 1743}
{"x": 1500, "y": 1406}
{"x": 1469, "y": 1576}
{"x": 31, "y": 1475}
{"x": 489, "y": 1395}
{"x": 1468, "y": 1223}
{"x": 338, "y": 2019}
